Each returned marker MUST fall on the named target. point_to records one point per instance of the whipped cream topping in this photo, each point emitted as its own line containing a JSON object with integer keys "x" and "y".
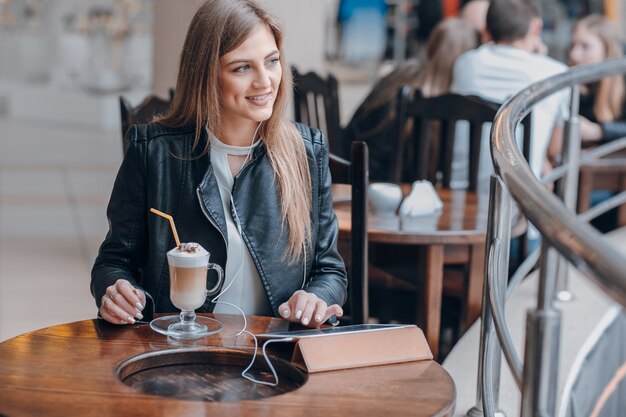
{"x": 190, "y": 249}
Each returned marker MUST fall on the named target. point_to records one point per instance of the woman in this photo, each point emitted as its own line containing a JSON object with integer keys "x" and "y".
{"x": 374, "y": 120}
{"x": 602, "y": 106}
{"x": 248, "y": 186}
{"x": 602, "y": 111}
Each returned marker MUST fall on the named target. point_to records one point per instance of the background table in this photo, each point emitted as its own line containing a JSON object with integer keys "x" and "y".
{"x": 461, "y": 222}
{"x": 69, "y": 370}
{"x": 608, "y": 173}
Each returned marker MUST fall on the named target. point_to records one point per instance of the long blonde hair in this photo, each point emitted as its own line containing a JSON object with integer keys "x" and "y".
{"x": 448, "y": 40}
{"x": 218, "y": 27}
{"x": 611, "y": 91}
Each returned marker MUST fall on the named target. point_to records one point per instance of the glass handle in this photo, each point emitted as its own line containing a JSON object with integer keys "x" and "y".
{"x": 220, "y": 277}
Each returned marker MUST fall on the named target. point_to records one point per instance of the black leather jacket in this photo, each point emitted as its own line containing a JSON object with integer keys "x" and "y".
{"x": 157, "y": 172}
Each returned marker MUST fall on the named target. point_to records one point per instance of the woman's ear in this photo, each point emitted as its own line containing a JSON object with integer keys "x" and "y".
{"x": 536, "y": 25}
{"x": 534, "y": 35}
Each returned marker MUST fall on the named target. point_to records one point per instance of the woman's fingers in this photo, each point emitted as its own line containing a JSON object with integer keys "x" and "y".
{"x": 308, "y": 309}
{"x": 111, "y": 312}
{"x": 294, "y": 308}
{"x": 320, "y": 312}
{"x": 110, "y": 317}
{"x": 118, "y": 295}
{"x": 284, "y": 310}
{"x": 122, "y": 303}
{"x": 142, "y": 299}
{"x": 333, "y": 309}
{"x": 130, "y": 294}
{"x": 302, "y": 300}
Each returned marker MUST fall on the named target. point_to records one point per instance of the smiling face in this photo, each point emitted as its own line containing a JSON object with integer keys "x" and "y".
{"x": 586, "y": 48}
{"x": 249, "y": 80}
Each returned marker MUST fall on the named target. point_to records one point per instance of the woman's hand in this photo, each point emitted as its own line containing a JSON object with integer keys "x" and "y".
{"x": 122, "y": 303}
{"x": 589, "y": 131}
{"x": 306, "y": 308}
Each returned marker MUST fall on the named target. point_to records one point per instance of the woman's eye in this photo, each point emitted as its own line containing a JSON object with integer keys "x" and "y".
{"x": 273, "y": 61}
{"x": 242, "y": 68}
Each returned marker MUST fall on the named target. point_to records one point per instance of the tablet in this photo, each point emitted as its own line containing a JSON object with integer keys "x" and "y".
{"x": 329, "y": 331}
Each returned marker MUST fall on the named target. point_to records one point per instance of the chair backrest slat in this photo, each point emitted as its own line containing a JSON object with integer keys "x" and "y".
{"x": 316, "y": 103}
{"x": 356, "y": 174}
{"x": 144, "y": 112}
{"x": 433, "y": 137}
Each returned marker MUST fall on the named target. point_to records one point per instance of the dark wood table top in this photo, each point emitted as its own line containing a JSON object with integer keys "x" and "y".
{"x": 463, "y": 220}
{"x": 70, "y": 370}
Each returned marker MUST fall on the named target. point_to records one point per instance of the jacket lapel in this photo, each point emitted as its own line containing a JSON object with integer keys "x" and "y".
{"x": 210, "y": 200}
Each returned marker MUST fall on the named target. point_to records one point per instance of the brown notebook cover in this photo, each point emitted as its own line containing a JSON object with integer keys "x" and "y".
{"x": 353, "y": 350}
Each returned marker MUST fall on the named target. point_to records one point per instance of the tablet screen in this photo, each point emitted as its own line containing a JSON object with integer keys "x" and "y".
{"x": 327, "y": 331}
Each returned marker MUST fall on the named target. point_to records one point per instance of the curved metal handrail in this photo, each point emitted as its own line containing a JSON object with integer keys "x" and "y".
{"x": 580, "y": 243}
{"x": 586, "y": 159}
{"x": 562, "y": 229}
{"x": 497, "y": 310}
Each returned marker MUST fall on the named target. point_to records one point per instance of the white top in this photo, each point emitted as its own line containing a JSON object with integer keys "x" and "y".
{"x": 245, "y": 289}
{"x": 497, "y": 72}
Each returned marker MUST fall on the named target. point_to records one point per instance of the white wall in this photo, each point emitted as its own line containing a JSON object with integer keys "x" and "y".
{"x": 171, "y": 19}
{"x": 304, "y": 22}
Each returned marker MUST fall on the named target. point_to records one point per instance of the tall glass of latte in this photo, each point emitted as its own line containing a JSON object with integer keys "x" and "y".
{"x": 188, "y": 264}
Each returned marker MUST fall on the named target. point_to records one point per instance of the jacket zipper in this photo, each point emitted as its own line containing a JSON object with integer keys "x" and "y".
{"x": 208, "y": 216}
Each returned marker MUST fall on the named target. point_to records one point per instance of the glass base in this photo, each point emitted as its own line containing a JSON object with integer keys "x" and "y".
{"x": 172, "y": 326}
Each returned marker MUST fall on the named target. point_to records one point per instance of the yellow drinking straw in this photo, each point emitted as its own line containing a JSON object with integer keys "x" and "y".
{"x": 168, "y": 217}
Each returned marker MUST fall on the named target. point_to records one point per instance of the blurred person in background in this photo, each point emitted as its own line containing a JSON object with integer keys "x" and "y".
{"x": 375, "y": 119}
{"x": 475, "y": 12}
{"x": 497, "y": 71}
{"x": 602, "y": 104}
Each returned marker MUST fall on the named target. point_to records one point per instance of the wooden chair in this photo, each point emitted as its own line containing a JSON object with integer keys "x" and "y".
{"x": 143, "y": 112}
{"x": 355, "y": 173}
{"x": 316, "y": 103}
{"x": 427, "y": 150}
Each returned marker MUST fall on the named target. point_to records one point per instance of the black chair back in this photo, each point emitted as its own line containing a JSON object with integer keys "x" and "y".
{"x": 143, "y": 112}
{"x": 427, "y": 152}
{"x": 356, "y": 174}
{"x": 316, "y": 103}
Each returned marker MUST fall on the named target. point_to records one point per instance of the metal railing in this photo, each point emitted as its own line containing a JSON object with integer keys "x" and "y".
{"x": 565, "y": 236}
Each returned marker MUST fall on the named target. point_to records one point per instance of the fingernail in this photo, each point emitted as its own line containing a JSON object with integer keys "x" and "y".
{"x": 305, "y": 321}
{"x": 318, "y": 317}
{"x": 285, "y": 313}
{"x": 298, "y": 314}
{"x": 139, "y": 316}
{"x": 340, "y": 313}
{"x": 130, "y": 320}
{"x": 138, "y": 305}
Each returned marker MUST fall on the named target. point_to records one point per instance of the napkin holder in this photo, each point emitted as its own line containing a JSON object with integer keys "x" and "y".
{"x": 422, "y": 200}
{"x": 354, "y": 350}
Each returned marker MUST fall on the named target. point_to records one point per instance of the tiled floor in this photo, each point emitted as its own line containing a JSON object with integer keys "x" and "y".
{"x": 54, "y": 186}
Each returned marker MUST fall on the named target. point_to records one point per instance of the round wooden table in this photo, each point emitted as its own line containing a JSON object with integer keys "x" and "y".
{"x": 70, "y": 370}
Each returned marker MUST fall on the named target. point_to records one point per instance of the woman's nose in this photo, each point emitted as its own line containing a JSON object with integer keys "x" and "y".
{"x": 262, "y": 79}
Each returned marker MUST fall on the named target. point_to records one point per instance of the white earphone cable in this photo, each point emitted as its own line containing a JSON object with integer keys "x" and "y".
{"x": 215, "y": 299}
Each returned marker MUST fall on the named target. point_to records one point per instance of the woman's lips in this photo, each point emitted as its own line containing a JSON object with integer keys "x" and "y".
{"x": 259, "y": 100}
